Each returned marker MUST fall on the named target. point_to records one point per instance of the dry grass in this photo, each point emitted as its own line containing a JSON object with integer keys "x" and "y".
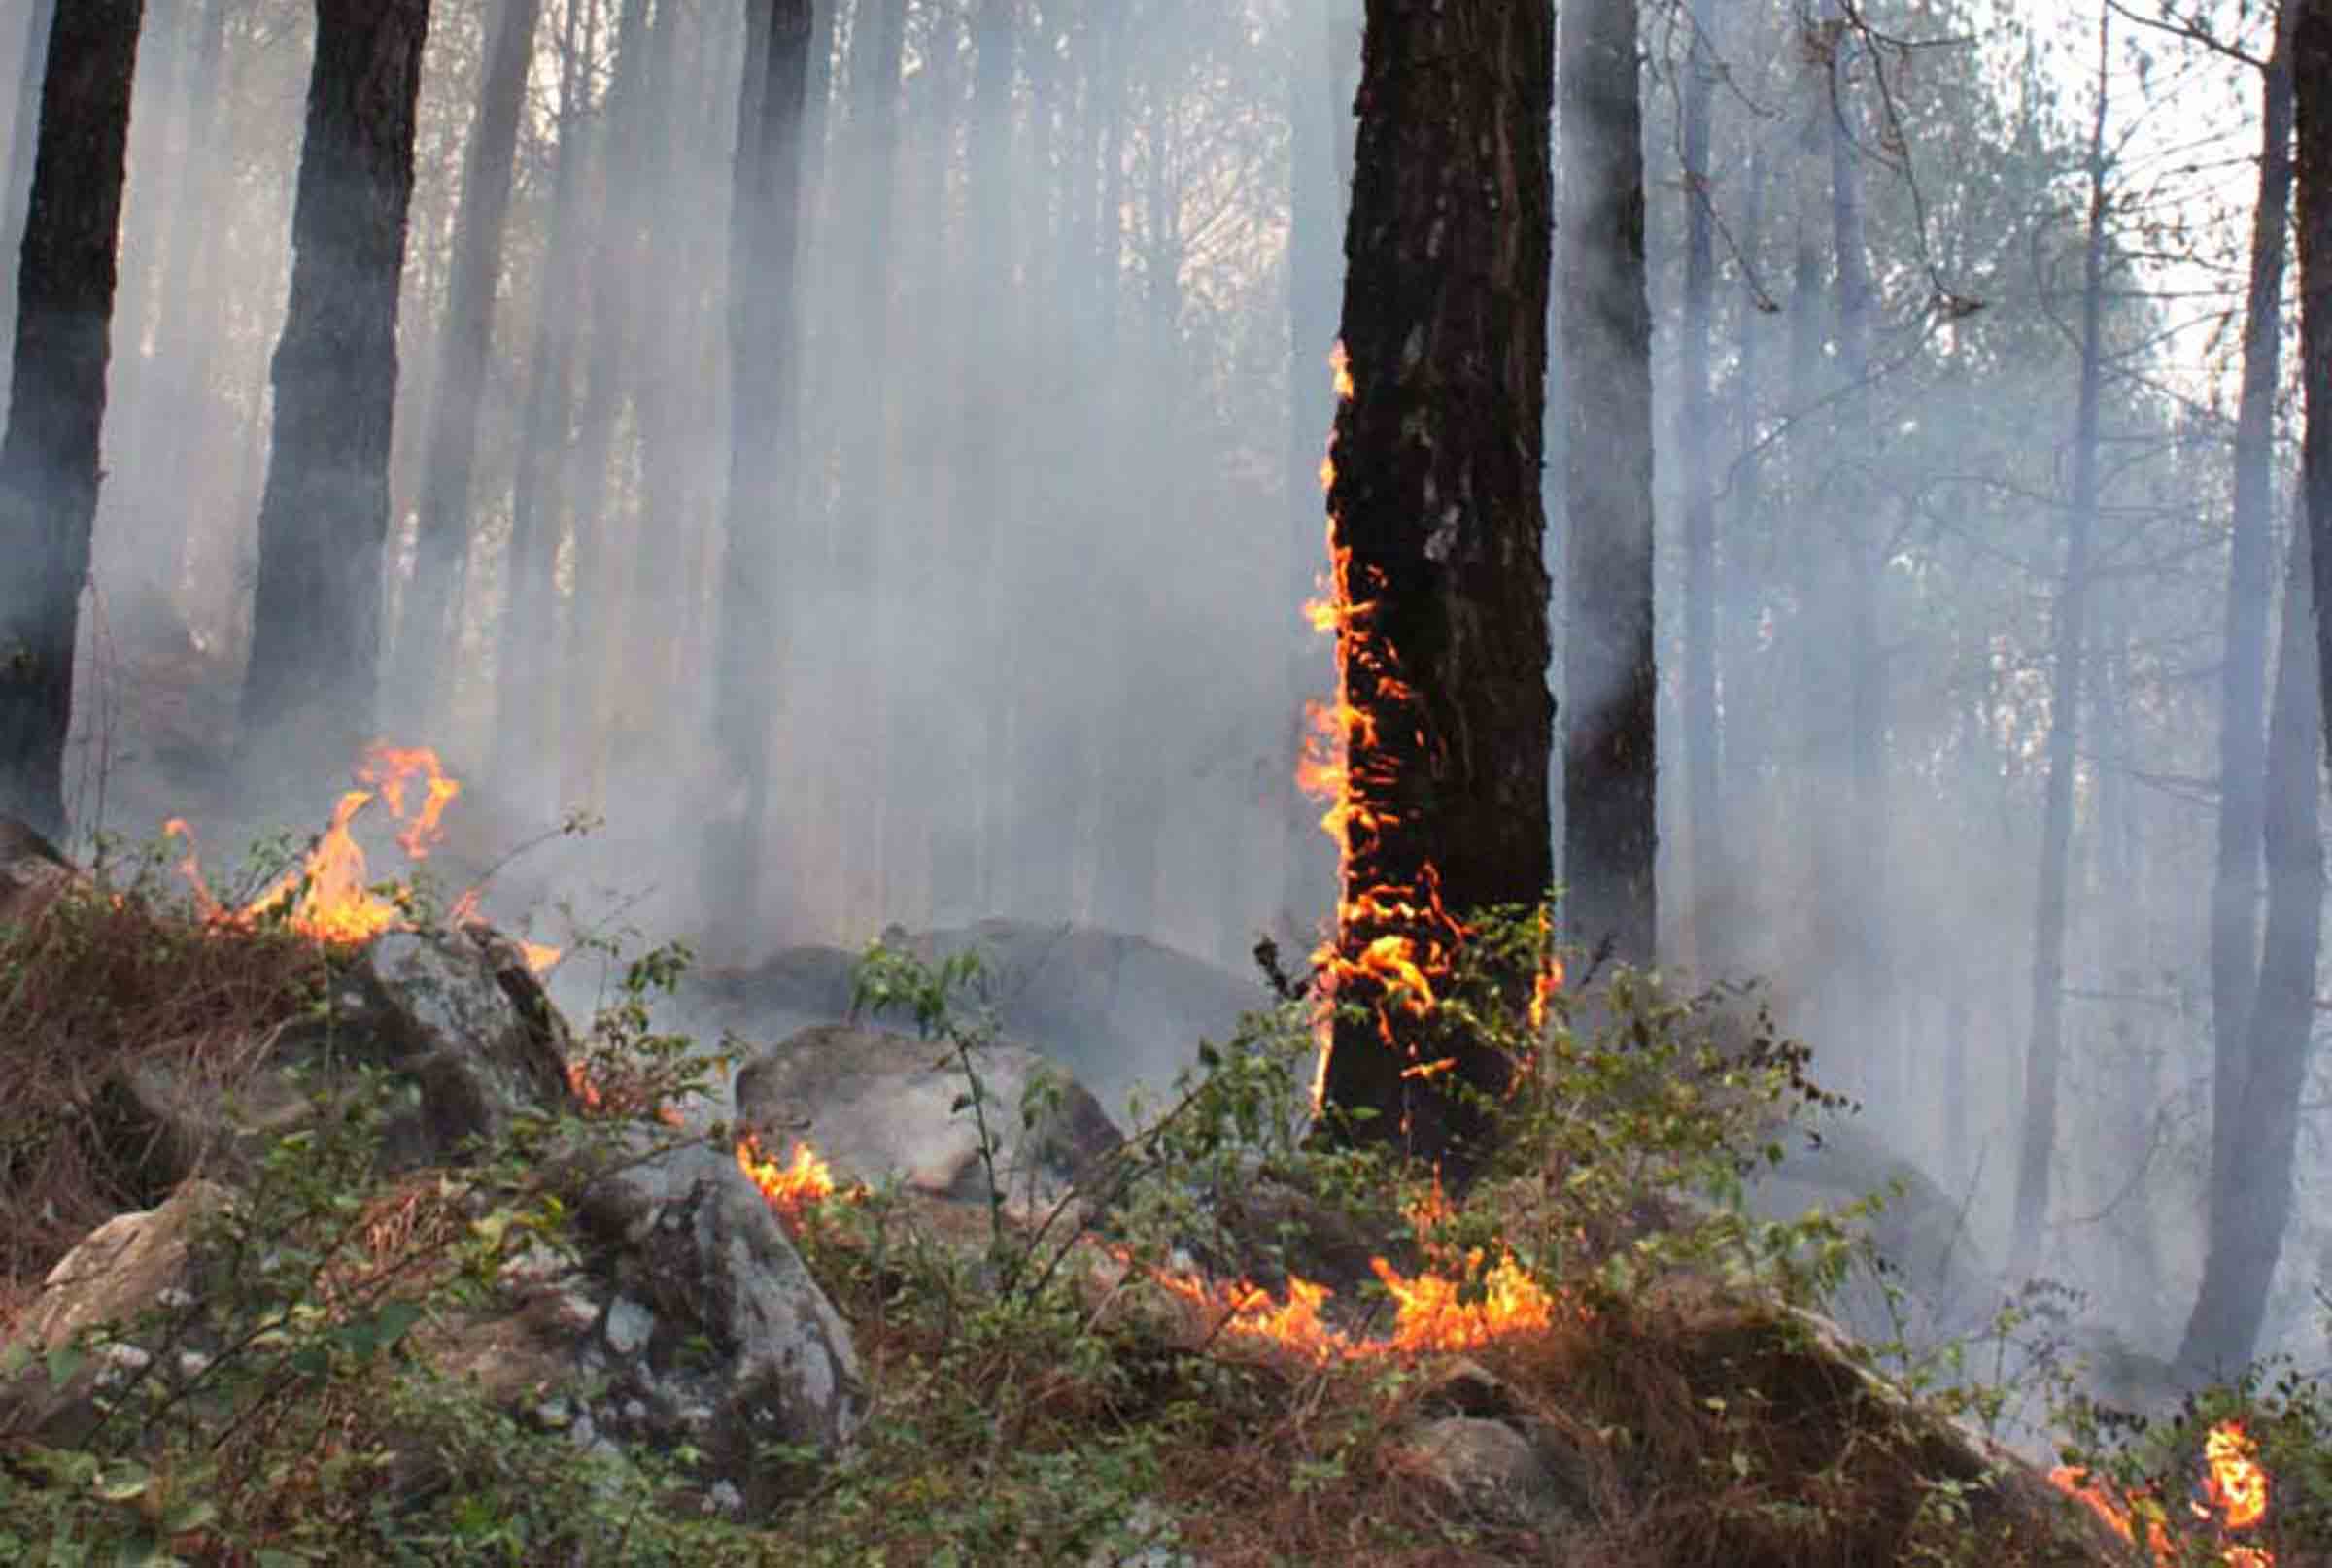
{"x": 96, "y": 986}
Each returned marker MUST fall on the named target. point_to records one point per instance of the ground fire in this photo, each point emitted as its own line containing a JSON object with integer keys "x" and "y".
{"x": 790, "y": 1185}
{"x": 326, "y": 895}
{"x": 2233, "y": 1501}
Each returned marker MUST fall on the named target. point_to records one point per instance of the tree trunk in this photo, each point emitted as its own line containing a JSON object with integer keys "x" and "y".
{"x": 2243, "y": 680}
{"x": 525, "y": 687}
{"x": 2042, "y": 1059}
{"x": 23, "y": 142}
{"x": 762, "y": 269}
{"x": 48, "y": 459}
{"x": 1435, "y": 545}
{"x": 1610, "y": 766}
{"x": 2251, "y": 1185}
{"x": 417, "y": 699}
{"x": 1696, "y": 450}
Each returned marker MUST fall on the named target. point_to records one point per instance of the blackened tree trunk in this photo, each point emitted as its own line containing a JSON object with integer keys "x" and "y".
{"x": 1696, "y": 451}
{"x": 1610, "y": 828}
{"x": 2042, "y": 1063}
{"x": 1435, "y": 537}
{"x": 309, "y": 692}
{"x": 761, "y": 268}
{"x": 2311, "y": 102}
{"x": 2251, "y": 1177}
{"x": 56, "y": 392}
{"x": 414, "y": 696}
{"x": 2242, "y": 679}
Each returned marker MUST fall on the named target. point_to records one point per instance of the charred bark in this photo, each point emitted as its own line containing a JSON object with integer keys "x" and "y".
{"x": 428, "y": 623}
{"x": 48, "y": 459}
{"x": 2042, "y": 1063}
{"x": 1436, "y": 534}
{"x": 1610, "y": 763}
{"x": 2243, "y": 680}
{"x": 308, "y": 694}
{"x": 766, "y": 242}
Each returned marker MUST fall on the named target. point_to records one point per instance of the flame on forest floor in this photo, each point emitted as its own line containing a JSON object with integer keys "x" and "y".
{"x": 2234, "y": 1498}
{"x": 326, "y": 895}
{"x": 792, "y": 1186}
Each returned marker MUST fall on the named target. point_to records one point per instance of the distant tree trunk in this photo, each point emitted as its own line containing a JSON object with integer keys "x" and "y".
{"x": 2043, "y": 1057}
{"x": 524, "y": 689}
{"x": 1696, "y": 451}
{"x": 964, "y": 874}
{"x": 48, "y": 457}
{"x": 1743, "y": 736}
{"x": 2251, "y": 1185}
{"x": 416, "y": 697}
{"x": 2243, "y": 677}
{"x": 1438, "y": 527}
{"x": 592, "y": 635}
{"x": 1610, "y": 763}
{"x": 309, "y": 692}
{"x": 2312, "y": 98}
{"x": 23, "y": 140}
{"x": 762, "y": 267}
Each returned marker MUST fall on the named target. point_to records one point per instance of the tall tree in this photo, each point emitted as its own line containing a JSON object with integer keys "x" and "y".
{"x": 2249, "y": 1204}
{"x": 1695, "y": 452}
{"x": 1435, "y": 541}
{"x": 56, "y": 392}
{"x": 766, "y": 246}
{"x": 415, "y": 696}
{"x": 309, "y": 692}
{"x": 1610, "y": 763}
{"x": 2243, "y": 673}
{"x": 2043, "y": 1055}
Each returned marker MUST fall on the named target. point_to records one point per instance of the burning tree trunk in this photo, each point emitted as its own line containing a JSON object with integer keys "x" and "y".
{"x": 2251, "y": 1177}
{"x": 323, "y": 517}
{"x": 1610, "y": 764}
{"x": 56, "y": 392}
{"x": 769, "y": 172}
{"x": 442, "y": 545}
{"x": 2242, "y": 681}
{"x": 2041, "y": 1064}
{"x": 1435, "y": 532}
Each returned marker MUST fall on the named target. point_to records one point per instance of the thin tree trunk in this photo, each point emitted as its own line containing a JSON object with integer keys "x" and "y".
{"x": 2251, "y": 1188}
{"x": 1696, "y": 450}
{"x": 23, "y": 141}
{"x": 1438, "y": 530}
{"x": 1610, "y": 762}
{"x": 2042, "y": 1065}
{"x": 2243, "y": 678}
{"x": 525, "y": 691}
{"x": 48, "y": 457}
{"x": 2312, "y": 101}
{"x": 416, "y": 696}
{"x": 767, "y": 216}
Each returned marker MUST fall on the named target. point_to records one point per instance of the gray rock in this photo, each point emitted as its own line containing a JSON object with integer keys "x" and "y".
{"x": 1494, "y": 1472}
{"x": 876, "y": 1104}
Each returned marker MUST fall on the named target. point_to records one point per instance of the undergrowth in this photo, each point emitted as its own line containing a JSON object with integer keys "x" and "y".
{"x": 1050, "y": 1382}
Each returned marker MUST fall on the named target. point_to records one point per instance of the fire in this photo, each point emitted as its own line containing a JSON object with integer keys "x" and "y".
{"x": 326, "y": 895}
{"x": 790, "y": 1186}
{"x": 2234, "y": 1490}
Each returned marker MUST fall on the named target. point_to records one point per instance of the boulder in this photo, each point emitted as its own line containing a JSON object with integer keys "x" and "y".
{"x": 874, "y": 1105}
{"x": 458, "y": 1013}
{"x": 1117, "y": 1011}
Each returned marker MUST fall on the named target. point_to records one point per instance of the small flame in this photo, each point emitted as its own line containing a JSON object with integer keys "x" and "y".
{"x": 790, "y": 1186}
{"x": 2234, "y": 1490}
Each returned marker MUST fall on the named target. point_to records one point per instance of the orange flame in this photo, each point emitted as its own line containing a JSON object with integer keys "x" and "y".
{"x": 791, "y": 1187}
{"x": 326, "y": 897}
{"x": 2235, "y": 1498}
